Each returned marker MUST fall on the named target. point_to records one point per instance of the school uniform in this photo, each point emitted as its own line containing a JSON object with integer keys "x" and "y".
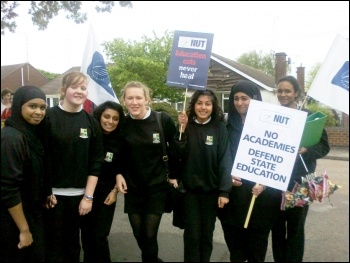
{"x": 288, "y": 234}
{"x": 206, "y": 176}
{"x": 75, "y": 151}
{"x": 97, "y": 224}
{"x": 246, "y": 244}
{"x": 23, "y": 181}
{"x": 146, "y": 176}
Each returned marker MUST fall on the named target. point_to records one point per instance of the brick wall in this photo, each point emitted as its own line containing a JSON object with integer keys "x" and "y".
{"x": 338, "y": 136}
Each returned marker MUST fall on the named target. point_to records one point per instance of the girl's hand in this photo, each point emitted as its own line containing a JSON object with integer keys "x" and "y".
{"x": 173, "y": 182}
{"x": 111, "y": 197}
{"x": 121, "y": 184}
{"x": 258, "y": 189}
{"x": 25, "y": 239}
{"x": 85, "y": 206}
{"x": 222, "y": 201}
{"x": 51, "y": 201}
{"x": 236, "y": 181}
{"x": 182, "y": 119}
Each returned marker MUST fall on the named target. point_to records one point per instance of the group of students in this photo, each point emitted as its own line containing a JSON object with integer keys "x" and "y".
{"x": 62, "y": 168}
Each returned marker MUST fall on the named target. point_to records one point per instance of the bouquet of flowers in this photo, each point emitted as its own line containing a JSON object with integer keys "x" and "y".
{"x": 312, "y": 188}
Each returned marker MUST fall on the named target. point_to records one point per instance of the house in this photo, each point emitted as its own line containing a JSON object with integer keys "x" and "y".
{"x": 15, "y": 76}
{"x": 224, "y": 73}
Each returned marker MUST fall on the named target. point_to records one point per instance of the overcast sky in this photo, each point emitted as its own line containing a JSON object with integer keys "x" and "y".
{"x": 304, "y": 30}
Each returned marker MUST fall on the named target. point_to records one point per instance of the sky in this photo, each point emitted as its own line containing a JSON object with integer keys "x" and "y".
{"x": 304, "y": 30}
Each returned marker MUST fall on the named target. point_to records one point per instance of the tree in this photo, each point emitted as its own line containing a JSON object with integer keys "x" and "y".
{"x": 260, "y": 61}
{"x": 313, "y": 104}
{"x": 146, "y": 61}
{"x": 48, "y": 75}
{"x": 312, "y": 75}
{"x": 43, "y": 11}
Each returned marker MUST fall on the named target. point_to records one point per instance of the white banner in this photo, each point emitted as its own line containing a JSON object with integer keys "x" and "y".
{"x": 331, "y": 84}
{"x": 93, "y": 65}
{"x": 269, "y": 144}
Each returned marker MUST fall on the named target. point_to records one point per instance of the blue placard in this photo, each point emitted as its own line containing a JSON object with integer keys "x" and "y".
{"x": 190, "y": 60}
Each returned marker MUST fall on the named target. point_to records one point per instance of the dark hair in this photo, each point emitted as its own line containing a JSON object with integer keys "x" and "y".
{"x": 292, "y": 80}
{"x": 97, "y": 113}
{"x": 217, "y": 113}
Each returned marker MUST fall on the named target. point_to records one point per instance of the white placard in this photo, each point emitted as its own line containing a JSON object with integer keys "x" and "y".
{"x": 269, "y": 144}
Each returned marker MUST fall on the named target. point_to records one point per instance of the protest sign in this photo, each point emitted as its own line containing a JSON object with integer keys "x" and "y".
{"x": 190, "y": 59}
{"x": 269, "y": 144}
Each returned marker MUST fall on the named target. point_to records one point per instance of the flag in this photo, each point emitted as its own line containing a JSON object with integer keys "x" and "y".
{"x": 93, "y": 65}
{"x": 331, "y": 84}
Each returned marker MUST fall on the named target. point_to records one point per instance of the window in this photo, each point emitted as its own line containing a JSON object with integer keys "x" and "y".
{"x": 51, "y": 101}
{"x": 225, "y": 97}
{"x": 179, "y": 106}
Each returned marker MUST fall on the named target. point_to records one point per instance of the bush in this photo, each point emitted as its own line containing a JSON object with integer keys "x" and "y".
{"x": 163, "y": 106}
{"x": 331, "y": 121}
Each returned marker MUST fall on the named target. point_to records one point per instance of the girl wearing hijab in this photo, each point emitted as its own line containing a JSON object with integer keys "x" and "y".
{"x": 23, "y": 186}
{"x": 246, "y": 244}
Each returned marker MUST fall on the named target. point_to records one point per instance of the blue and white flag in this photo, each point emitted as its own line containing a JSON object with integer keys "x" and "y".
{"x": 99, "y": 86}
{"x": 331, "y": 84}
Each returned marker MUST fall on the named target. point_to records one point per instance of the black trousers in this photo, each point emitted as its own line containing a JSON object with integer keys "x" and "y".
{"x": 200, "y": 210}
{"x": 62, "y": 226}
{"x": 9, "y": 251}
{"x": 288, "y": 235}
{"x": 246, "y": 244}
{"x": 95, "y": 228}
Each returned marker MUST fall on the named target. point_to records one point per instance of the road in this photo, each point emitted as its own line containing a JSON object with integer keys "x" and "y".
{"x": 327, "y": 228}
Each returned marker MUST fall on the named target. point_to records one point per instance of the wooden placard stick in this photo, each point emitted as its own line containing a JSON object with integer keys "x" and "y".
{"x": 250, "y": 210}
{"x": 183, "y": 110}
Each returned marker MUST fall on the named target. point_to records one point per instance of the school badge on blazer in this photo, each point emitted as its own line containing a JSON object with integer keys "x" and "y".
{"x": 156, "y": 138}
{"x": 209, "y": 140}
{"x": 109, "y": 157}
{"x": 83, "y": 133}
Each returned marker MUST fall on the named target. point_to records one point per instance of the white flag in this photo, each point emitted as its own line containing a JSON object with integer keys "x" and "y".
{"x": 93, "y": 65}
{"x": 331, "y": 84}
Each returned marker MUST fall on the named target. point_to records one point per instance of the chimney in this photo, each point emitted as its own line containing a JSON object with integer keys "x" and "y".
{"x": 301, "y": 79}
{"x": 280, "y": 66}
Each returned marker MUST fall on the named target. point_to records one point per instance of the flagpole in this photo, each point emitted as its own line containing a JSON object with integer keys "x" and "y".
{"x": 304, "y": 101}
{"x": 183, "y": 110}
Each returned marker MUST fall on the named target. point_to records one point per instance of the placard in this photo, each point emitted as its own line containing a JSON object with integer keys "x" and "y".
{"x": 269, "y": 144}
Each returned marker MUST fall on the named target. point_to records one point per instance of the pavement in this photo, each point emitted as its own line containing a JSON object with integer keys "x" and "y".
{"x": 338, "y": 153}
{"x": 327, "y": 225}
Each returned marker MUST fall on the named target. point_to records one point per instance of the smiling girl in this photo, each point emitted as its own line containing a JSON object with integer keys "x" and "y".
{"x": 24, "y": 186}
{"x": 145, "y": 185}
{"x": 206, "y": 177}
{"x": 97, "y": 224}
{"x": 75, "y": 157}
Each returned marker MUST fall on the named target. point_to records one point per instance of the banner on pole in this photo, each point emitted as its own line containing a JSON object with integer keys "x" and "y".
{"x": 93, "y": 65}
{"x": 331, "y": 84}
{"x": 190, "y": 60}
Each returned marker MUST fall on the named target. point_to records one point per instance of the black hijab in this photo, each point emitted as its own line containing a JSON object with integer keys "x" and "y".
{"x": 234, "y": 120}
{"x": 21, "y": 96}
